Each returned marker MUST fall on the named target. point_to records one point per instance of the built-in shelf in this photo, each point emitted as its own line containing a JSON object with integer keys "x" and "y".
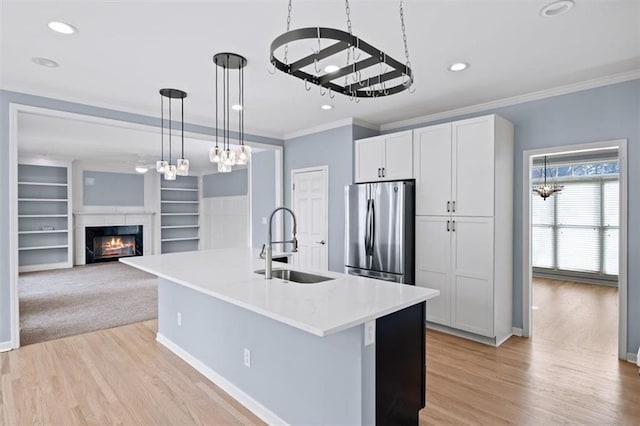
{"x": 181, "y": 189}
{"x": 41, "y": 215}
{"x": 44, "y": 207}
{"x": 43, "y": 247}
{"x": 42, "y": 184}
{"x": 53, "y": 231}
{"x": 59, "y": 200}
{"x": 180, "y": 217}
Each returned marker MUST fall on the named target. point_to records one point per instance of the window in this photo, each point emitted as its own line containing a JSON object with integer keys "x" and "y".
{"x": 577, "y": 228}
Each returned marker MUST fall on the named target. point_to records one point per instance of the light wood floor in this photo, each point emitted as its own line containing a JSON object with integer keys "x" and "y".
{"x": 576, "y": 315}
{"x": 122, "y": 376}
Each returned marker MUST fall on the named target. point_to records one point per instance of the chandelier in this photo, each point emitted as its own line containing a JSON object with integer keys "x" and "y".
{"x": 222, "y": 153}
{"x": 367, "y": 73}
{"x": 181, "y": 168}
{"x": 547, "y": 189}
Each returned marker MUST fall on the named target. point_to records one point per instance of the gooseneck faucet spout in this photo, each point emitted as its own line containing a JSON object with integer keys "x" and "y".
{"x": 270, "y": 242}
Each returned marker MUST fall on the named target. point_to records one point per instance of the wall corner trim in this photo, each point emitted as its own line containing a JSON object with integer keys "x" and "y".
{"x": 517, "y": 331}
{"x": 328, "y": 126}
{"x": 247, "y": 401}
{"x": 519, "y": 99}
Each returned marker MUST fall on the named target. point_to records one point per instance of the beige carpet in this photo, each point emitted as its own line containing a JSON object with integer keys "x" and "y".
{"x": 67, "y": 302}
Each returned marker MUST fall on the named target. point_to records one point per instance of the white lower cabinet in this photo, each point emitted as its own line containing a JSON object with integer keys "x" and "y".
{"x": 456, "y": 255}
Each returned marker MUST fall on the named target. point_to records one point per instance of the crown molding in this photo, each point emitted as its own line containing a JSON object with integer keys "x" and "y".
{"x": 328, "y": 126}
{"x": 533, "y": 96}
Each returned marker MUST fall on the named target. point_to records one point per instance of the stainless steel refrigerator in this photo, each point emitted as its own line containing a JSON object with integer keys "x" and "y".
{"x": 379, "y": 228}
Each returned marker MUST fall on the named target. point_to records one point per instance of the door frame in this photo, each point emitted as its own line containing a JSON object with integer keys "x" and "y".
{"x": 527, "y": 275}
{"x": 325, "y": 170}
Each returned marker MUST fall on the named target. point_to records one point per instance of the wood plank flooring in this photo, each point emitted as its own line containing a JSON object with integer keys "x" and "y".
{"x": 570, "y": 314}
{"x": 116, "y": 376}
{"x": 122, "y": 376}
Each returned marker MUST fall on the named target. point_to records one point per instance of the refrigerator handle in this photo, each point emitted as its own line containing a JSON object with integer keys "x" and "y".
{"x": 367, "y": 234}
{"x": 372, "y": 228}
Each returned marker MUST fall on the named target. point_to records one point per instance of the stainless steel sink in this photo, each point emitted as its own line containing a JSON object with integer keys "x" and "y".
{"x": 296, "y": 276}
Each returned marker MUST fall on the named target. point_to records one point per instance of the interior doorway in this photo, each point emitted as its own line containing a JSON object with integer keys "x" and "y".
{"x": 574, "y": 248}
{"x": 309, "y": 195}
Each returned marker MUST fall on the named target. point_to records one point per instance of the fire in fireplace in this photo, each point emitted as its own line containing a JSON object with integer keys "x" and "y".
{"x": 108, "y": 243}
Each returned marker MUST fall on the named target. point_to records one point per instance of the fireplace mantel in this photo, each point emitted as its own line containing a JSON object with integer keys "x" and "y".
{"x": 82, "y": 220}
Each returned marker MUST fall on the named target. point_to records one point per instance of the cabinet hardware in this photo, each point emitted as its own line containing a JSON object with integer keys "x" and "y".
{"x": 448, "y": 206}
{"x": 323, "y": 242}
{"x": 384, "y": 172}
{"x": 453, "y": 226}
{"x": 448, "y": 229}
{"x": 379, "y": 172}
{"x": 454, "y": 206}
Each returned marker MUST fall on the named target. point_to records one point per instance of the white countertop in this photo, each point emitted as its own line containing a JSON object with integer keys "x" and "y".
{"x": 321, "y": 308}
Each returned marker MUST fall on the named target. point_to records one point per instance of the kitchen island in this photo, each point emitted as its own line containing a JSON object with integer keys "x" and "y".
{"x": 349, "y": 350}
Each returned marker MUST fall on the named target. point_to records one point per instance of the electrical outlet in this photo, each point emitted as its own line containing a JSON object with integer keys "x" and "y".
{"x": 247, "y": 358}
{"x": 369, "y": 333}
{"x": 179, "y": 319}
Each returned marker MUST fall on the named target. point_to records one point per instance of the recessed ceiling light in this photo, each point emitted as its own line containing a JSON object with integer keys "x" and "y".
{"x": 236, "y": 107}
{"x": 141, "y": 168}
{"x": 331, "y": 68}
{"x": 458, "y": 66}
{"x": 327, "y": 107}
{"x": 62, "y": 28}
{"x": 45, "y": 62}
{"x": 557, "y": 8}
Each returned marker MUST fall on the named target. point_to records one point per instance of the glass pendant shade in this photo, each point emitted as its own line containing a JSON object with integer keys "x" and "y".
{"x": 182, "y": 168}
{"x": 170, "y": 172}
{"x": 161, "y": 165}
{"x": 229, "y": 158}
{"x": 223, "y": 168}
{"x": 243, "y": 155}
{"x": 215, "y": 154}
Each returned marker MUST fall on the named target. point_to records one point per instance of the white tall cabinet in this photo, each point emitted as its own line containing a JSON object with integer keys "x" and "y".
{"x": 383, "y": 158}
{"x": 464, "y": 225}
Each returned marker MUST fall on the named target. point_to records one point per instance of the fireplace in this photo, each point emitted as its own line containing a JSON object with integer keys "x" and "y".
{"x": 109, "y": 243}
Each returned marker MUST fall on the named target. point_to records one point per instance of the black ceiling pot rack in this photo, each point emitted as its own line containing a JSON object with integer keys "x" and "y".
{"x": 344, "y": 42}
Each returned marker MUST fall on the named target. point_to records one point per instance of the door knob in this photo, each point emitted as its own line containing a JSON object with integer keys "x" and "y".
{"x": 323, "y": 242}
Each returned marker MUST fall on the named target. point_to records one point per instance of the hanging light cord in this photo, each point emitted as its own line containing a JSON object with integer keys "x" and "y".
{"x": 169, "y": 131}
{"x": 182, "y": 125}
{"x": 162, "y": 127}
{"x": 217, "y": 105}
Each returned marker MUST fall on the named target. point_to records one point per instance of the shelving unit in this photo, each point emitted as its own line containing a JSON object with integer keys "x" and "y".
{"x": 44, "y": 219}
{"x": 180, "y": 216}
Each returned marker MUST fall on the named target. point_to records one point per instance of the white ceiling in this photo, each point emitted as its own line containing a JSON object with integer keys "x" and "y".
{"x": 74, "y": 139}
{"x": 126, "y": 51}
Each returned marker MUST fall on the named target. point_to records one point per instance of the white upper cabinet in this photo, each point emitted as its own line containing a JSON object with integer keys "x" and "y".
{"x": 455, "y": 168}
{"x": 386, "y": 157}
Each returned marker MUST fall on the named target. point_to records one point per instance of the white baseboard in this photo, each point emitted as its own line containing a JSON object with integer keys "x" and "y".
{"x": 495, "y": 341}
{"x": 5, "y": 346}
{"x": 247, "y": 401}
{"x": 633, "y": 358}
{"x": 516, "y": 331}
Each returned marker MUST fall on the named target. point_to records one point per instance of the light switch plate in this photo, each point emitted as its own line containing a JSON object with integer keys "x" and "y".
{"x": 370, "y": 333}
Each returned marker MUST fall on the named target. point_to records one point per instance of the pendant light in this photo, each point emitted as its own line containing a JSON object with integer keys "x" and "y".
{"x": 222, "y": 154}
{"x": 547, "y": 189}
{"x": 171, "y": 171}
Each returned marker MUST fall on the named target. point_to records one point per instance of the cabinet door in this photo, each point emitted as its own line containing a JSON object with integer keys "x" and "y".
{"x": 433, "y": 263}
{"x": 369, "y": 159}
{"x": 473, "y": 166}
{"x": 432, "y": 166}
{"x": 472, "y": 275}
{"x": 398, "y": 159}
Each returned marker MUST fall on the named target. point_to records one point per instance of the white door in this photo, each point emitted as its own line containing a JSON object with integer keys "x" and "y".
{"x": 433, "y": 264}
{"x": 432, "y": 150}
{"x": 398, "y": 158}
{"x": 473, "y": 167}
{"x": 310, "y": 204}
{"x": 369, "y": 159}
{"x": 472, "y": 275}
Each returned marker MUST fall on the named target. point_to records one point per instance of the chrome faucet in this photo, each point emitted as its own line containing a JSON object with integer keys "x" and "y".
{"x": 269, "y": 250}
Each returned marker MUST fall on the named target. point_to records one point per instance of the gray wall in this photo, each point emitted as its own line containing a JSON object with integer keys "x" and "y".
{"x": 225, "y": 184}
{"x": 263, "y": 193}
{"x": 112, "y": 189}
{"x": 7, "y": 97}
{"x": 333, "y": 148}
{"x": 604, "y": 113}
{"x": 330, "y": 380}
